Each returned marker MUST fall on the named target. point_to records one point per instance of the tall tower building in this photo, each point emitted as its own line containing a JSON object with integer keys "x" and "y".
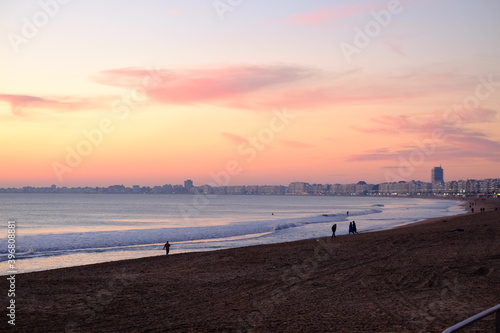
{"x": 437, "y": 175}
{"x": 188, "y": 184}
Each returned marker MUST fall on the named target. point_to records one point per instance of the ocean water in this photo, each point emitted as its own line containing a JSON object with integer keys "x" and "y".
{"x": 56, "y": 230}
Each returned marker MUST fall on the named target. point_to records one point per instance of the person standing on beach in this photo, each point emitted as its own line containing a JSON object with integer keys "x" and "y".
{"x": 354, "y": 228}
{"x": 334, "y": 228}
{"x": 350, "y": 227}
{"x": 166, "y": 247}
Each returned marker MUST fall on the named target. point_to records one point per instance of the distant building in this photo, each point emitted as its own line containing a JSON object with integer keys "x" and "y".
{"x": 437, "y": 180}
{"x": 437, "y": 175}
{"x": 299, "y": 188}
{"x": 188, "y": 184}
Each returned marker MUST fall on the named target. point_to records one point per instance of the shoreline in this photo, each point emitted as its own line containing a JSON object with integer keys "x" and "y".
{"x": 425, "y": 276}
{"x": 98, "y": 259}
{"x": 489, "y": 204}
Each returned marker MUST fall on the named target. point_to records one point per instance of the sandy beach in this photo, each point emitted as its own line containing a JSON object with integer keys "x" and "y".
{"x": 420, "y": 278}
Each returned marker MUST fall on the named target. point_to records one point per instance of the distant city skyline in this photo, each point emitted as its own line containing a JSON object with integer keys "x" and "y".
{"x": 436, "y": 177}
{"x": 490, "y": 186}
{"x": 263, "y": 91}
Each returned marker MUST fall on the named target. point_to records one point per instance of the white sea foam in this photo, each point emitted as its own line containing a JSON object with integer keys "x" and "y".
{"x": 35, "y": 245}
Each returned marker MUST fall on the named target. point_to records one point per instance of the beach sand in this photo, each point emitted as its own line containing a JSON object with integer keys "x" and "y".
{"x": 420, "y": 278}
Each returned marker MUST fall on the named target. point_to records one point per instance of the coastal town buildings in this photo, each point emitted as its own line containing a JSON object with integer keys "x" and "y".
{"x": 455, "y": 188}
{"x": 437, "y": 187}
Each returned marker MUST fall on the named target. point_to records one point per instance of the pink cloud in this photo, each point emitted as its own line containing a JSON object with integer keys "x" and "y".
{"x": 462, "y": 148}
{"x": 213, "y": 85}
{"x": 458, "y": 140}
{"x": 472, "y": 143}
{"x": 394, "y": 43}
{"x": 252, "y": 87}
{"x": 21, "y": 104}
{"x": 267, "y": 87}
{"x": 450, "y": 121}
{"x": 234, "y": 138}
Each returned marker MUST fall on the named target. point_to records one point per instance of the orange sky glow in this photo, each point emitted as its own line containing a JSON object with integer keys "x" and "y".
{"x": 253, "y": 93}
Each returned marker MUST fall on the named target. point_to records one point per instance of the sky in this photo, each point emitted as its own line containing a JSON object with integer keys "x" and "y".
{"x": 247, "y": 92}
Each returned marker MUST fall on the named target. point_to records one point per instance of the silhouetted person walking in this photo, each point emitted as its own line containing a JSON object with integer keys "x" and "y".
{"x": 350, "y": 228}
{"x": 334, "y": 228}
{"x": 354, "y": 228}
{"x": 166, "y": 247}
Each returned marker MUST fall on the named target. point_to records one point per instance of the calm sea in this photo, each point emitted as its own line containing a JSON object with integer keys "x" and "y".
{"x": 56, "y": 230}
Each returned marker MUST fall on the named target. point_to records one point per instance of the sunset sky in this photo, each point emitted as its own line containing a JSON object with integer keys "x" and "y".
{"x": 247, "y": 92}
